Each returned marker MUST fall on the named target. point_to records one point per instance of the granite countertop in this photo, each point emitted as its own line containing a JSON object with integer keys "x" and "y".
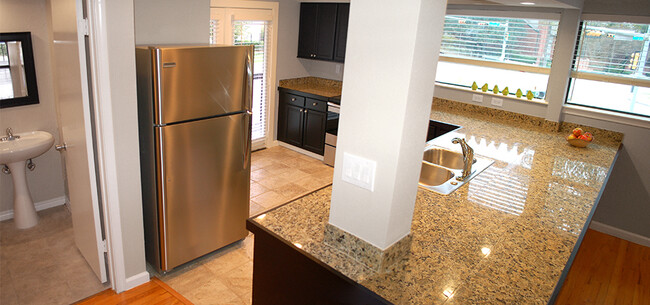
{"x": 314, "y": 85}
{"x": 504, "y": 237}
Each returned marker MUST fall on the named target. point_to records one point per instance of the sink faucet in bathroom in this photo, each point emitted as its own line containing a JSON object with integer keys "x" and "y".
{"x": 10, "y": 135}
{"x": 468, "y": 157}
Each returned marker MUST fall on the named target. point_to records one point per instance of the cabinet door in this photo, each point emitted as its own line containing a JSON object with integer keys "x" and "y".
{"x": 294, "y": 125}
{"x": 307, "y": 31}
{"x": 342, "y": 16}
{"x": 314, "y": 131}
{"x": 325, "y": 31}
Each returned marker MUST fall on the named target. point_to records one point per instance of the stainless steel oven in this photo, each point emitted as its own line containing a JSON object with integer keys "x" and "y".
{"x": 331, "y": 130}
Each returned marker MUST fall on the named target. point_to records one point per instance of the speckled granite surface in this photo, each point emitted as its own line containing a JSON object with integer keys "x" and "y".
{"x": 502, "y": 238}
{"x": 314, "y": 85}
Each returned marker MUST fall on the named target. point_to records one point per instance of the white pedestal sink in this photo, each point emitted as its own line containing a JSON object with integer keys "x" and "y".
{"x": 14, "y": 152}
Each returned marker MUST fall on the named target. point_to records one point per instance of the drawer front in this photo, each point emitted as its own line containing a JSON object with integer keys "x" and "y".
{"x": 294, "y": 99}
{"x": 317, "y": 105}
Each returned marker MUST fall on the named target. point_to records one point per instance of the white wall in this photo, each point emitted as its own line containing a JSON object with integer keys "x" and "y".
{"x": 46, "y": 182}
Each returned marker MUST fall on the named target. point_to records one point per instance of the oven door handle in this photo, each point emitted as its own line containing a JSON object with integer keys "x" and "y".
{"x": 331, "y": 107}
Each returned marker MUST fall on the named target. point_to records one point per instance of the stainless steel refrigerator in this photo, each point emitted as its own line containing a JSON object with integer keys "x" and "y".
{"x": 195, "y": 142}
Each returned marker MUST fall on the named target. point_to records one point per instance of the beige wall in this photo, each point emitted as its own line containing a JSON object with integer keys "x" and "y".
{"x": 46, "y": 182}
{"x": 171, "y": 21}
{"x": 121, "y": 62}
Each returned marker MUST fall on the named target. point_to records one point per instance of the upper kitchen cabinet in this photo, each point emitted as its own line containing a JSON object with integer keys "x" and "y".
{"x": 323, "y": 31}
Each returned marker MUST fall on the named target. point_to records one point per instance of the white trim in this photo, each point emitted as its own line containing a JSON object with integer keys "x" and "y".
{"x": 273, "y": 57}
{"x": 620, "y": 233}
{"x": 623, "y": 80}
{"x": 105, "y": 144}
{"x": 605, "y": 115}
{"x": 300, "y": 150}
{"x": 616, "y": 18}
{"x": 41, "y": 205}
{"x": 495, "y": 64}
{"x": 136, "y": 280}
{"x": 504, "y": 11}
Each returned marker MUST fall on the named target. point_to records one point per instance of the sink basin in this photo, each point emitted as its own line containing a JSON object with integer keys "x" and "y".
{"x": 442, "y": 167}
{"x": 432, "y": 175}
{"x": 443, "y": 157}
{"x": 29, "y": 145}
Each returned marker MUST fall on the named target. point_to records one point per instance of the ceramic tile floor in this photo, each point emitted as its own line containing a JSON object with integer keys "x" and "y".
{"x": 44, "y": 259}
{"x": 225, "y": 276}
{"x": 41, "y": 265}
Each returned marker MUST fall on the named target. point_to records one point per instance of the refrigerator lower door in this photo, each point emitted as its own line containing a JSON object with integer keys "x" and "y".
{"x": 204, "y": 181}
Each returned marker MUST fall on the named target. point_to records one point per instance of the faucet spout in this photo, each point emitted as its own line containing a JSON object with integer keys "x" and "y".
{"x": 10, "y": 135}
{"x": 468, "y": 157}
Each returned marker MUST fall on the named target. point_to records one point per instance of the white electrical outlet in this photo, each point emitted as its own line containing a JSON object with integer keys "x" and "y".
{"x": 477, "y": 98}
{"x": 338, "y": 69}
{"x": 497, "y": 101}
{"x": 359, "y": 171}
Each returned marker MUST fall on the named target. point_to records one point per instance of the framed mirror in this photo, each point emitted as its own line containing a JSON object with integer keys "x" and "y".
{"x": 17, "y": 73}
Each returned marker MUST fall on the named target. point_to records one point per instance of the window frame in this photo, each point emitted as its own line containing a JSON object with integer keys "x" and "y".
{"x": 524, "y": 13}
{"x": 612, "y": 115}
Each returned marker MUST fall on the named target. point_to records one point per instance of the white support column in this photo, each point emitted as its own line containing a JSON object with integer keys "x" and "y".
{"x": 558, "y": 80}
{"x": 390, "y": 67}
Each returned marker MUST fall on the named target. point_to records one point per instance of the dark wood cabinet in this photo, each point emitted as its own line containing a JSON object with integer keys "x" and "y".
{"x": 342, "y": 16}
{"x": 314, "y": 131}
{"x": 283, "y": 274}
{"x": 323, "y": 31}
{"x": 302, "y": 121}
{"x": 437, "y": 129}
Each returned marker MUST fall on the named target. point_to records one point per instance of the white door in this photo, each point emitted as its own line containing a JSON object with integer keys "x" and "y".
{"x": 250, "y": 26}
{"x": 75, "y": 124}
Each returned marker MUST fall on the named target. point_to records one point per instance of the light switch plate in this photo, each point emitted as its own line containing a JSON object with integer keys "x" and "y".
{"x": 497, "y": 101}
{"x": 359, "y": 171}
{"x": 477, "y": 98}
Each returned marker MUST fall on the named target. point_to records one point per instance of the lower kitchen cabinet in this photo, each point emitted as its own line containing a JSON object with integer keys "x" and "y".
{"x": 302, "y": 121}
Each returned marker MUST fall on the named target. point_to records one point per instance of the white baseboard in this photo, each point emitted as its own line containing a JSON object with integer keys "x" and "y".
{"x": 300, "y": 150}
{"x": 620, "y": 233}
{"x": 41, "y": 205}
{"x": 137, "y": 280}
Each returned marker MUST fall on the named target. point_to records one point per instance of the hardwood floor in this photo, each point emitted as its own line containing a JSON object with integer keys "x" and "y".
{"x": 608, "y": 270}
{"x": 153, "y": 292}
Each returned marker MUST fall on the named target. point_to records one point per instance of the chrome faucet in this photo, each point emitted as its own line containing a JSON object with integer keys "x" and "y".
{"x": 10, "y": 135}
{"x": 468, "y": 157}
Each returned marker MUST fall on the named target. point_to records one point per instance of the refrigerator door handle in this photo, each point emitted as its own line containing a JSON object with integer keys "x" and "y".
{"x": 247, "y": 142}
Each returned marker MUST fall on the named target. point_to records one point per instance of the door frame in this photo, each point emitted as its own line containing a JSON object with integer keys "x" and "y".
{"x": 97, "y": 29}
{"x": 271, "y": 113}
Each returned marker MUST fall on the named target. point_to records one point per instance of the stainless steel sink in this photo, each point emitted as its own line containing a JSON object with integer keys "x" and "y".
{"x": 442, "y": 168}
{"x": 433, "y": 175}
{"x": 443, "y": 157}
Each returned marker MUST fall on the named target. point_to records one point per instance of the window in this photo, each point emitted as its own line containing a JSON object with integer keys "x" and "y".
{"x": 611, "y": 67}
{"x": 507, "y": 52}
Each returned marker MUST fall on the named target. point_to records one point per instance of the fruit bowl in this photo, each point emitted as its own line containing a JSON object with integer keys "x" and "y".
{"x": 579, "y": 138}
{"x": 578, "y": 142}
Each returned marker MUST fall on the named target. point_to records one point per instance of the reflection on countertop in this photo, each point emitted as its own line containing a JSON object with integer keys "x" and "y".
{"x": 504, "y": 237}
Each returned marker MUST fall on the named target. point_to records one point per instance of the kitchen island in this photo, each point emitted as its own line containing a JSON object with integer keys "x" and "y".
{"x": 506, "y": 237}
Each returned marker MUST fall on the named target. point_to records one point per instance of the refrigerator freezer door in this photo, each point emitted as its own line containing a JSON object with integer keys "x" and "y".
{"x": 201, "y": 82}
{"x": 205, "y": 184}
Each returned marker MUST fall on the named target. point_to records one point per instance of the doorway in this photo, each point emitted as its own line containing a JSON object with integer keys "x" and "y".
{"x": 252, "y": 23}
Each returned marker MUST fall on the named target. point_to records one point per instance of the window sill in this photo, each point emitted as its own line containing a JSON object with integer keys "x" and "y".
{"x": 490, "y": 94}
{"x": 605, "y": 115}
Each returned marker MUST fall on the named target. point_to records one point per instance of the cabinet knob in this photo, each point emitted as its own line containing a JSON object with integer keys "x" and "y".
{"x": 293, "y": 99}
{"x": 314, "y": 104}
{"x": 305, "y": 110}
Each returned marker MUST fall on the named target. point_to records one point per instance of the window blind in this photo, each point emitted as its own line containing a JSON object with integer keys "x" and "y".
{"x": 505, "y": 41}
{"x": 256, "y": 33}
{"x": 613, "y": 52}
